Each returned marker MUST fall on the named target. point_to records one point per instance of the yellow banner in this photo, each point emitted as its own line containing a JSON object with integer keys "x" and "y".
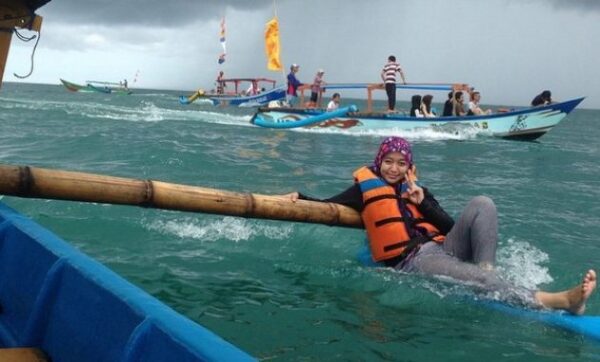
{"x": 272, "y": 45}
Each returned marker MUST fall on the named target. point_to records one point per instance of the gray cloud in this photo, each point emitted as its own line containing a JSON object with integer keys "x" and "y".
{"x": 582, "y": 5}
{"x": 171, "y": 13}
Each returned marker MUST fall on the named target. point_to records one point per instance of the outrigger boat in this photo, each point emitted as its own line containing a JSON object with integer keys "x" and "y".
{"x": 525, "y": 124}
{"x": 97, "y": 86}
{"x": 63, "y": 287}
{"x": 256, "y": 94}
{"x": 57, "y": 304}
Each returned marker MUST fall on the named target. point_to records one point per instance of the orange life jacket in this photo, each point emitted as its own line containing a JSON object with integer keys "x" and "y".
{"x": 387, "y": 228}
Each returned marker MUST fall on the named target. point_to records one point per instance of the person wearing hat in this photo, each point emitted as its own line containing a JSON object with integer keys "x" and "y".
{"x": 408, "y": 230}
{"x": 315, "y": 89}
{"x": 292, "y": 85}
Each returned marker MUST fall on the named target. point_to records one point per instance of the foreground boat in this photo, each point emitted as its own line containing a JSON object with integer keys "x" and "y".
{"x": 96, "y": 86}
{"x": 525, "y": 124}
{"x": 72, "y": 308}
{"x": 256, "y": 95}
{"x": 57, "y": 304}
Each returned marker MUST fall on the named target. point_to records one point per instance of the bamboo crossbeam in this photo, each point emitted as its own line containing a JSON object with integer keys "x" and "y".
{"x": 33, "y": 182}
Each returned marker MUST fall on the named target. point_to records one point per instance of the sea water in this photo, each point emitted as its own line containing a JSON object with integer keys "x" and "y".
{"x": 292, "y": 291}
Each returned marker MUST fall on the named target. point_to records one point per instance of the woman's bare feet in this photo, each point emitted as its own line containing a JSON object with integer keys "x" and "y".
{"x": 572, "y": 300}
{"x": 579, "y": 295}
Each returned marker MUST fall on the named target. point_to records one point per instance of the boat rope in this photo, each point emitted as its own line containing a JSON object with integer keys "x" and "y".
{"x": 26, "y": 39}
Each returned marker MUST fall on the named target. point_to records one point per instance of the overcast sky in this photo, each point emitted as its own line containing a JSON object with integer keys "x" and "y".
{"x": 510, "y": 50}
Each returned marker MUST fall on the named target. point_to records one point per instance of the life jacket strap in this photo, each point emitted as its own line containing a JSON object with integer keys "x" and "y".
{"x": 382, "y": 222}
{"x": 377, "y": 198}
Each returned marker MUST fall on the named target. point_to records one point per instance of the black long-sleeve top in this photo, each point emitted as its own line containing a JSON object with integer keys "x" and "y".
{"x": 429, "y": 207}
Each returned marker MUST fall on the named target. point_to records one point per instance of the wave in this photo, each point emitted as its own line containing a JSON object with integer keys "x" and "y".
{"x": 228, "y": 228}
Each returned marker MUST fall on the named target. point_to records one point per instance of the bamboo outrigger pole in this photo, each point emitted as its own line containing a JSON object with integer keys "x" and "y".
{"x": 33, "y": 182}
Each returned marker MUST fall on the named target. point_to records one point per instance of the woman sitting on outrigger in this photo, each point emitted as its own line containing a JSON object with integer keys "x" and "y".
{"x": 408, "y": 230}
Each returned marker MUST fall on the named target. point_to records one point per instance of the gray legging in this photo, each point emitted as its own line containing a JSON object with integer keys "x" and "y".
{"x": 468, "y": 253}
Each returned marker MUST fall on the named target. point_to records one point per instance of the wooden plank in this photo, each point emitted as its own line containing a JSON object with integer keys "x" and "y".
{"x": 22, "y": 355}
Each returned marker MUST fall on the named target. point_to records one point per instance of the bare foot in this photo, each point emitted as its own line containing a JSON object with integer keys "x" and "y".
{"x": 572, "y": 300}
{"x": 579, "y": 295}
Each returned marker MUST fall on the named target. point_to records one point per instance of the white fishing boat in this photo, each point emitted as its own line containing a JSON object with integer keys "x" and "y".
{"x": 527, "y": 123}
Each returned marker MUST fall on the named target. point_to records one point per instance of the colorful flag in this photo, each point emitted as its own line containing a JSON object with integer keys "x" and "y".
{"x": 272, "y": 45}
{"x": 222, "y": 40}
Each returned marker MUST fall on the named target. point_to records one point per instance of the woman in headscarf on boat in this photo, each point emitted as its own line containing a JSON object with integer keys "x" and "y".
{"x": 408, "y": 230}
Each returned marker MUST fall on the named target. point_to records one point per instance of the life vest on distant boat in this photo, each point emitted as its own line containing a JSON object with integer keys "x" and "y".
{"x": 389, "y": 231}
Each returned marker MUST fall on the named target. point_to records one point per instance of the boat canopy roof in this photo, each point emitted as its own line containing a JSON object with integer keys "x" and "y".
{"x": 422, "y": 86}
{"x": 370, "y": 87}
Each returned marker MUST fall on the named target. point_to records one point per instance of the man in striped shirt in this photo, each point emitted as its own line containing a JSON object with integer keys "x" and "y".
{"x": 388, "y": 75}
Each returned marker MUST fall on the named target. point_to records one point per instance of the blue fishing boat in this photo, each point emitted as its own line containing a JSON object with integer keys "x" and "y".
{"x": 73, "y": 308}
{"x": 255, "y": 95}
{"x": 526, "y": 124}
{"x": 57, "y": 304}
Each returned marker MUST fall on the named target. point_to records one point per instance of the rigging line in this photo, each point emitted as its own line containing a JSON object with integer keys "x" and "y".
{"x": 23, "y": 37}
{"x": 32, "y": 56}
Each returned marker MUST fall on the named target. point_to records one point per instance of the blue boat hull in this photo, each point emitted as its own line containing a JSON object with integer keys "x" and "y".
{"x": 524, "y": 124}
{"x": 256, "y": 100}
{"x": 56, "y": 298}
{"x": 274, "y": 94}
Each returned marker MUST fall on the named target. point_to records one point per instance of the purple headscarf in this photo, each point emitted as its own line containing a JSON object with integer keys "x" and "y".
{"x": 393, "y": 144}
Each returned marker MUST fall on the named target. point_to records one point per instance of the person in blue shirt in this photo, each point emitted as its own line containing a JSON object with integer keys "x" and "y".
{"x": 292, "y": 85}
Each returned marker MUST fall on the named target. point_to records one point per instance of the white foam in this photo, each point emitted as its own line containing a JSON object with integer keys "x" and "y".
{"x": 230, "y": 228}
{"x": 521, "y": 263}
{"x": 429, "y": 133}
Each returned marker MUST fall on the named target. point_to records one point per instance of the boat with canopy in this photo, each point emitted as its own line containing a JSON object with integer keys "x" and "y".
{"x": 240, "y": 92}
{"x": 520, "y": 123}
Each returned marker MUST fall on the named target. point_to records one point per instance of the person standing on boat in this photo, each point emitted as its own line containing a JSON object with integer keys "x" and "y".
{"x": 542, "y": 99}
{"x": 388, "y": 75}
{"x": 315, "y": 88}
{"x": 408, "y": 230}
{"x": 334, "y": 103}
{"x": 292, "y": 85}
{"x": 220, "y": 84}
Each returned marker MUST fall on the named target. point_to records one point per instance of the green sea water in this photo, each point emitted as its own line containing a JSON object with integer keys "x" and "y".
{"x": 290, "y": 291}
